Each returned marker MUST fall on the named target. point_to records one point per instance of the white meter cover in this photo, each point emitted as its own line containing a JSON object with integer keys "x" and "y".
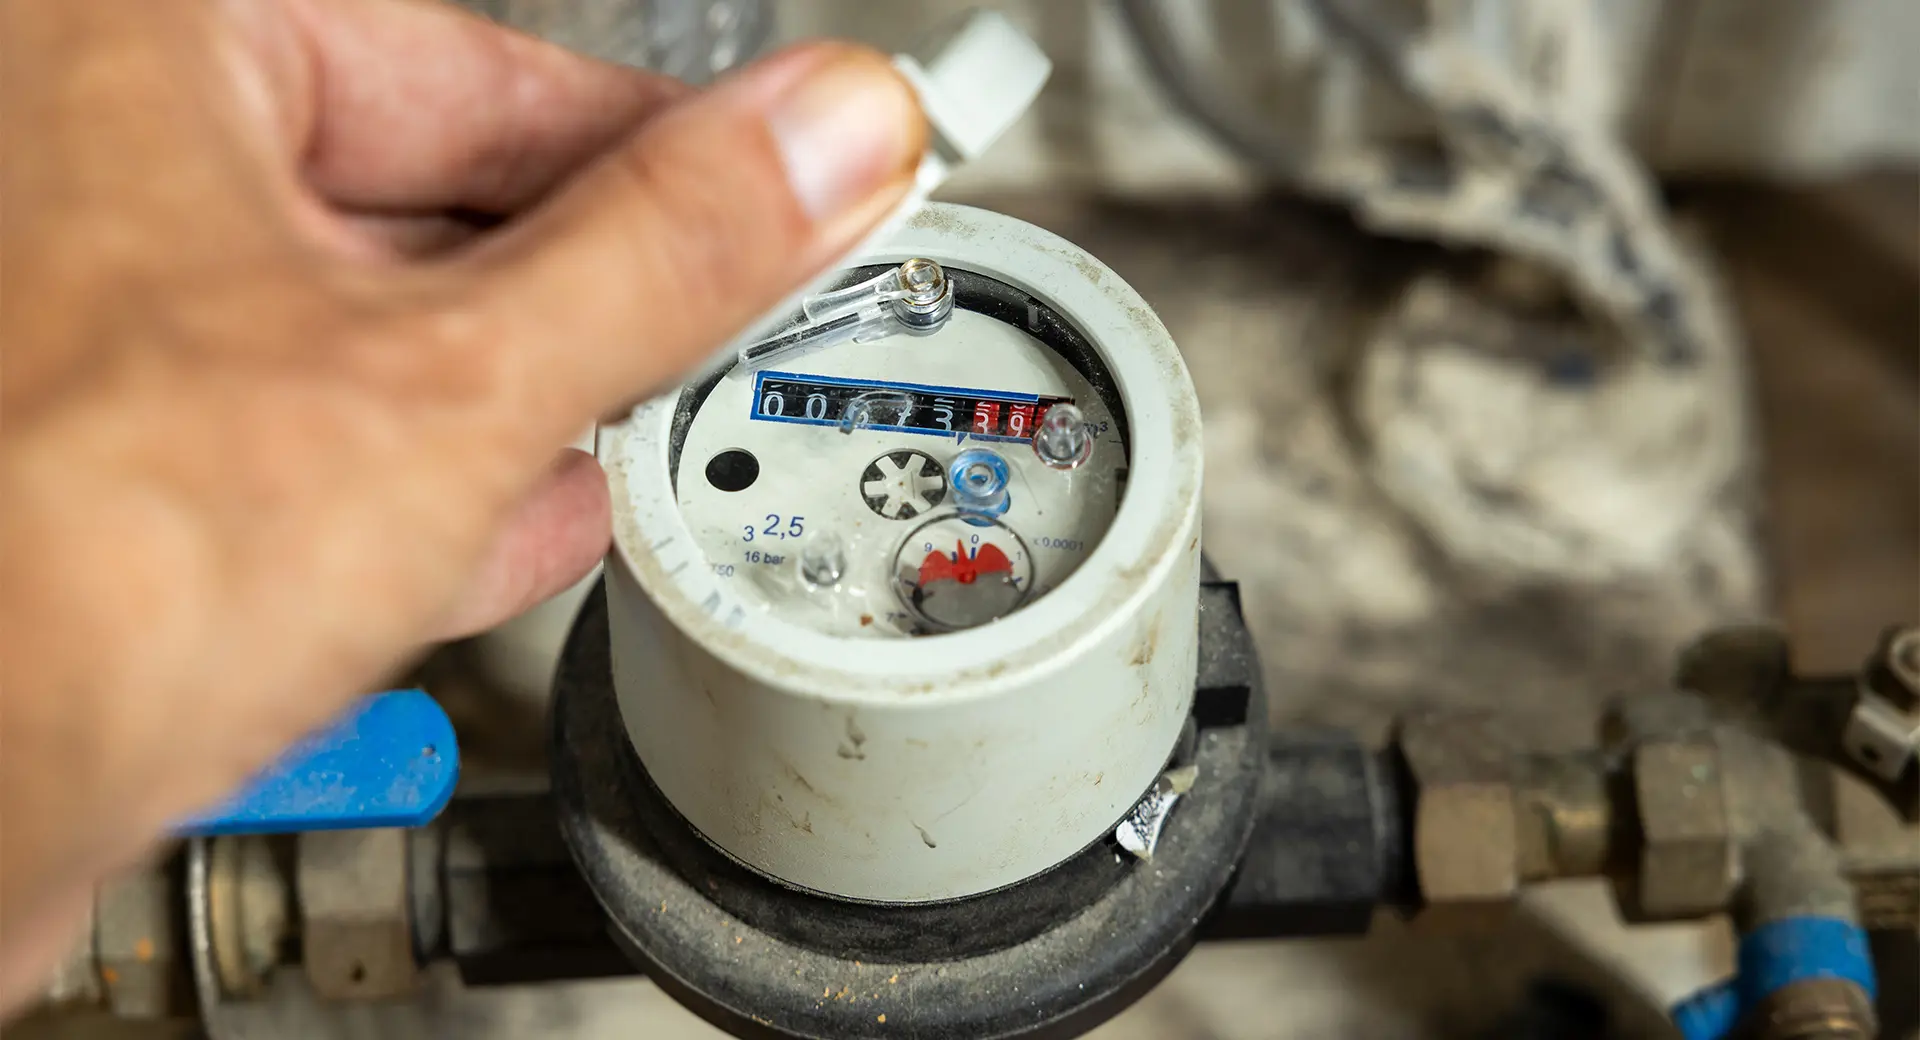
{"x": 909, "y": 614}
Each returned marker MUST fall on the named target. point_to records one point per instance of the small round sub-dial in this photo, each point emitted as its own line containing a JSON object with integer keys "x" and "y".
{"x": 901, "y": 485}
{"x": 956, "y": 572}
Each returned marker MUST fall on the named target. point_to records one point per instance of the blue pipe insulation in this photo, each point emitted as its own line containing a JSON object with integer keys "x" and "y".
{"x": 1709, "y": 1014}
{"x": 1771, "y": 957}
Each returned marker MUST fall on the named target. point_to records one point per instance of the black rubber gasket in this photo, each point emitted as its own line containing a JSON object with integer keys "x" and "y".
{"x": 1050, "y": 957}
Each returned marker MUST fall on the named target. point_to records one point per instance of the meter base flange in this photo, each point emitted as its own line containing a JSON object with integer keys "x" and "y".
{"x": 755, "y": 967}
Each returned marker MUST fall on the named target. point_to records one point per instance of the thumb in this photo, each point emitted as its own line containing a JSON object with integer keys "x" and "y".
{"x": 713, "y": 212}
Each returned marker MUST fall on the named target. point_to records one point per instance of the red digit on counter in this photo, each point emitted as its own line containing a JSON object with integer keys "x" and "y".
{"x": 1019, "y": 419}
{"x": 986, "y": 416}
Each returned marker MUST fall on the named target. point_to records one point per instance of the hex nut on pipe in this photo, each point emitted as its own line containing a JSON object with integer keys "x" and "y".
{"x": 1688, "y": 856}
{"x": 1466, "y": 832}
{"x": 134, "y": 945}
{"x": 357, "y": 930}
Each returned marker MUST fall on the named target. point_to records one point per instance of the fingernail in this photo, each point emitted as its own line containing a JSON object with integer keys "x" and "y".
{"x": 846, "y": 129}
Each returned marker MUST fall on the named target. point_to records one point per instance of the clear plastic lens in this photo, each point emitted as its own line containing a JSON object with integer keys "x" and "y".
{"x": 823, "y": 559}
{"x": 878, "y": 408}
{"x": 915, "y": 298}
{"x": 851, "y": 299}
{"x": 1062, "y": 439}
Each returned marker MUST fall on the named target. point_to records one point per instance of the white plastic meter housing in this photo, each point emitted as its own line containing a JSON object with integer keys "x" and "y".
{"x": 830, "y": 726}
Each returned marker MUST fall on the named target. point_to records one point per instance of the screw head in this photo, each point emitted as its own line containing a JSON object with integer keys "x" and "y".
{"x": 923, "y": 280}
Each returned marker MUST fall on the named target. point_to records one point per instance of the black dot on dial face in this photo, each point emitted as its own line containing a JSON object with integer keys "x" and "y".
{"x": 733, "y": 470}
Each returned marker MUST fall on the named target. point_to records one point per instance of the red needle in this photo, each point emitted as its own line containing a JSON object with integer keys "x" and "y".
{"x": 962, "y": 568}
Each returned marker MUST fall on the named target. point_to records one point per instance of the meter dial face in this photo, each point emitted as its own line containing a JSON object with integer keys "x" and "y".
{"x": 822, "y": 489}
{"x": 960, "y": 570}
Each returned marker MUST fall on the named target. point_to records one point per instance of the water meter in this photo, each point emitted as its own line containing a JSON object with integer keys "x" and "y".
{"x": 907, "y": 705}
{"x": 903, "y": 598}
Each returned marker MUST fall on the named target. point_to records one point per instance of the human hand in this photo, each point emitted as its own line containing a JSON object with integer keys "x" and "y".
{"x": 279, "y": 410}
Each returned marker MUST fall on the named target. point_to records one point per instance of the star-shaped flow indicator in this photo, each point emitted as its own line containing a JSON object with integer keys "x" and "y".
{"x": 901, "y": 485}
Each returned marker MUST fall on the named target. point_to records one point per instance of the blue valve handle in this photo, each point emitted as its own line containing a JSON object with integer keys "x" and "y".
{"x": 389, "y": 762}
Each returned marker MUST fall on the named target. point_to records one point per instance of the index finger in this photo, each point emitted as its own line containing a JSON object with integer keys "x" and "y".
{"x": 713, "y": 212}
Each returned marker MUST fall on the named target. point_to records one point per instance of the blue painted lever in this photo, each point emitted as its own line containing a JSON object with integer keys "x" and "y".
{"x": 390, "y": 762}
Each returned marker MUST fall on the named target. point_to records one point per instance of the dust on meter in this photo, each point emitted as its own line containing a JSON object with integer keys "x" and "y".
{"x": 903, "y": 602}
